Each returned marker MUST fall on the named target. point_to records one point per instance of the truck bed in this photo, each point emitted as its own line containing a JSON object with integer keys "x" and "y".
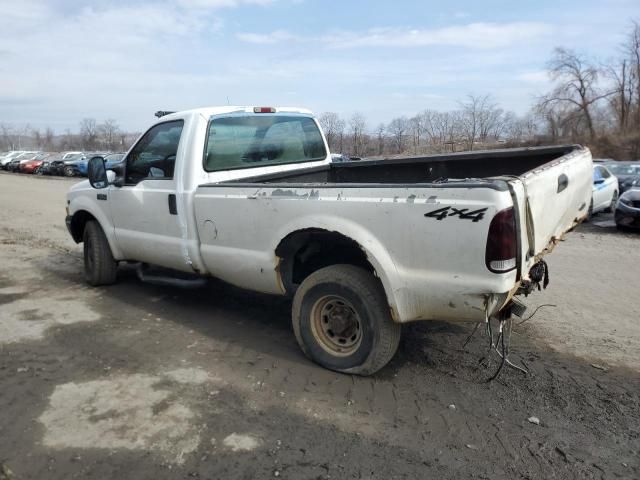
{"x": 422, "y": 169}
{"x": 422, "y": 222}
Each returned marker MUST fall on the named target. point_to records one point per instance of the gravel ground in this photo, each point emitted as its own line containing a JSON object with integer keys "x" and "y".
{"x": 140, "y": 381}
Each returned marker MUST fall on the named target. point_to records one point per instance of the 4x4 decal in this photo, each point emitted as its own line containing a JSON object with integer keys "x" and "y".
{"x": 461, "y": 213}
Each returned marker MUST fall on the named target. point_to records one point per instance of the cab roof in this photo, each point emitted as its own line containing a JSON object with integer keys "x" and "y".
{"x": 210, "y": 111}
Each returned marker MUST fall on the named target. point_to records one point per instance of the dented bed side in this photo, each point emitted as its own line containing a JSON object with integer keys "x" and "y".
{"x": 432, "y": 266}
{"x": 426, "y": 242}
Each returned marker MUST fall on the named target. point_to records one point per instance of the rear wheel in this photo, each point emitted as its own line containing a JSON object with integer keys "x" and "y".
{"x": 342, "y": 321}
{"x": 99, "y": 266}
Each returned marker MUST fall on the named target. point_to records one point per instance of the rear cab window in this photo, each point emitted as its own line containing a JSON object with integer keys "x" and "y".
{"x": 247, "y": 141}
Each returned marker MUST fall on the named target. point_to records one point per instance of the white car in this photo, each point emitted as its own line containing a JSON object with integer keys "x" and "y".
{"x": 250, "y": 195}
{"x": 68, "y": 155}
{"x": 6, "y": 159}
{"x": 605, "y": 190}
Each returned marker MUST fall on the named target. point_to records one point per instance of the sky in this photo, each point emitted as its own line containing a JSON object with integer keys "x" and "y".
{"x": 64, "y": 60}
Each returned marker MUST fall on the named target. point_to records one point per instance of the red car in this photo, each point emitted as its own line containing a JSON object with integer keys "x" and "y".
{"x": 31, "y": 166}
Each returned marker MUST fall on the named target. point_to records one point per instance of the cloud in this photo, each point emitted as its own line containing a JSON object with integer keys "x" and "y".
{"x": 214, "y": 4}
{"x": 473, "y": 35}
{"x": 268, "y": 38}
{"x": 536, "y": 77}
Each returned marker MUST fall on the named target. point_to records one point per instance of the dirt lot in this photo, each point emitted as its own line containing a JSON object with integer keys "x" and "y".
{"x": 139, "y": 381}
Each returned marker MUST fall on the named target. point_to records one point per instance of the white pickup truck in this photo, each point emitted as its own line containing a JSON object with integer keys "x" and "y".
{"x": 250, "y": 196}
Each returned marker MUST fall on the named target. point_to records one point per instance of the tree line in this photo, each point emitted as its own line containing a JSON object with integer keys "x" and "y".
{"x": 90, "y": 136}
{"x": 592, "y": 102}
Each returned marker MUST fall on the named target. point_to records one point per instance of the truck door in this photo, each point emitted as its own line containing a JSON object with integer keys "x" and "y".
{"x": 144, "y": 210}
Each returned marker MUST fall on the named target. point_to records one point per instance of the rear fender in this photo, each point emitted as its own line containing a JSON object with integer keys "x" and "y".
{"x": 376, "y": 253}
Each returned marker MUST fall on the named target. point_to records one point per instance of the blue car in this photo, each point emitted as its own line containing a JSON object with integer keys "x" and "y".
{"x": 112, "y": 160}
{"x": 77, "y": 164}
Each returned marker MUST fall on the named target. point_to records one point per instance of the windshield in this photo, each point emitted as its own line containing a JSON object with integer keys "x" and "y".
{"x": 624, "y": 169}
{"x": 259, "y": 140}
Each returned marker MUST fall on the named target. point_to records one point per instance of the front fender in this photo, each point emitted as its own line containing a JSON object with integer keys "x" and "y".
{"x": 83, "y": 203}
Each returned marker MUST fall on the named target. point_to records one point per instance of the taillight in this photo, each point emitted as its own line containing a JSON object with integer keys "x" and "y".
{"x": 501, "y": 242}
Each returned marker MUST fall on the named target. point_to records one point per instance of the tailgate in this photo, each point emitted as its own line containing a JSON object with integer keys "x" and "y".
{"x": 552, "y": 199}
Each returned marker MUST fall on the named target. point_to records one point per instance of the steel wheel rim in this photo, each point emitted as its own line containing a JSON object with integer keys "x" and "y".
{"x": 336, "y": 325}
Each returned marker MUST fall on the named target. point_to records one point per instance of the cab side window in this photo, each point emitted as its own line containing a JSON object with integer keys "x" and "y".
{"x": 154, "y": 156}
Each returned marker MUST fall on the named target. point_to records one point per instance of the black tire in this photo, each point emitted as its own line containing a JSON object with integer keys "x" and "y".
{"x": 589, "y": 212}
{"x": 69, "y": 172}
{"x": 99, "y": 266}
{"x": 614, "y": 202}
{"x": 375, "y": 337}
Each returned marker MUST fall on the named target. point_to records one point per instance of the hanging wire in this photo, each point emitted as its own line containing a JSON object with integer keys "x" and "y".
{"x": 534, "y": 312}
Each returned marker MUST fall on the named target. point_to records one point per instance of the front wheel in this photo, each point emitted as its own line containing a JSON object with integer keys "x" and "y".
{"x": 69, "y": 172}
{"x": 99, "y": 266}
{"x": 342, "y": 320}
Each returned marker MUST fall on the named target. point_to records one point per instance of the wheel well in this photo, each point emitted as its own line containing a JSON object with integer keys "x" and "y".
{"x": 303, "y": 252}
{"x": 78, "y": 222}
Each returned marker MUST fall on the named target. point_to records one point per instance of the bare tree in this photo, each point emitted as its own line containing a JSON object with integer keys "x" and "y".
{"x": 470, "y": 120}
{"x": 632, "y": 50}
{"x": 416, "y": 124}
{"x": 398, "y": 128}
{"x": 48, "y": 139}
{"x": 380, "y": 137}
{"x": 6, "y": 134}
{"x": 357, "y": 126}
{"x": 108, "y": 132}
{"x": 481, "y": 118}
{"x": 576, "y": 85}
{"x": 37, "y": 138}
{"x": 68, "y": 140}
{"x": 333, "y": 128}
{"x": 88, "y": 133}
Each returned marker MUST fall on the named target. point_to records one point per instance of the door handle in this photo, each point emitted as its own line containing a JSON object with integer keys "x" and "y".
{"x": 173, "y": 207}
{"x": 563, "y": 182}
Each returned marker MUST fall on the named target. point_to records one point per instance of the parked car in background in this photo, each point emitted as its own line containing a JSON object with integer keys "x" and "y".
{"x": 343, "y": 157}
{"x": 14, "y": 165}
{"x": 628, "y": 174}
{"x": 605, "y": 190}
{"x": 628, "y": 210}
{"x": 113, "y": 159}
{"x": 17, "y": 156}
{"x": 69, "y": 155}
{"x": 30, "y": 166}
{"x": 6, "y": 157}
{"x": 74, "y": 164}
{"x": 52, "y": 165}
